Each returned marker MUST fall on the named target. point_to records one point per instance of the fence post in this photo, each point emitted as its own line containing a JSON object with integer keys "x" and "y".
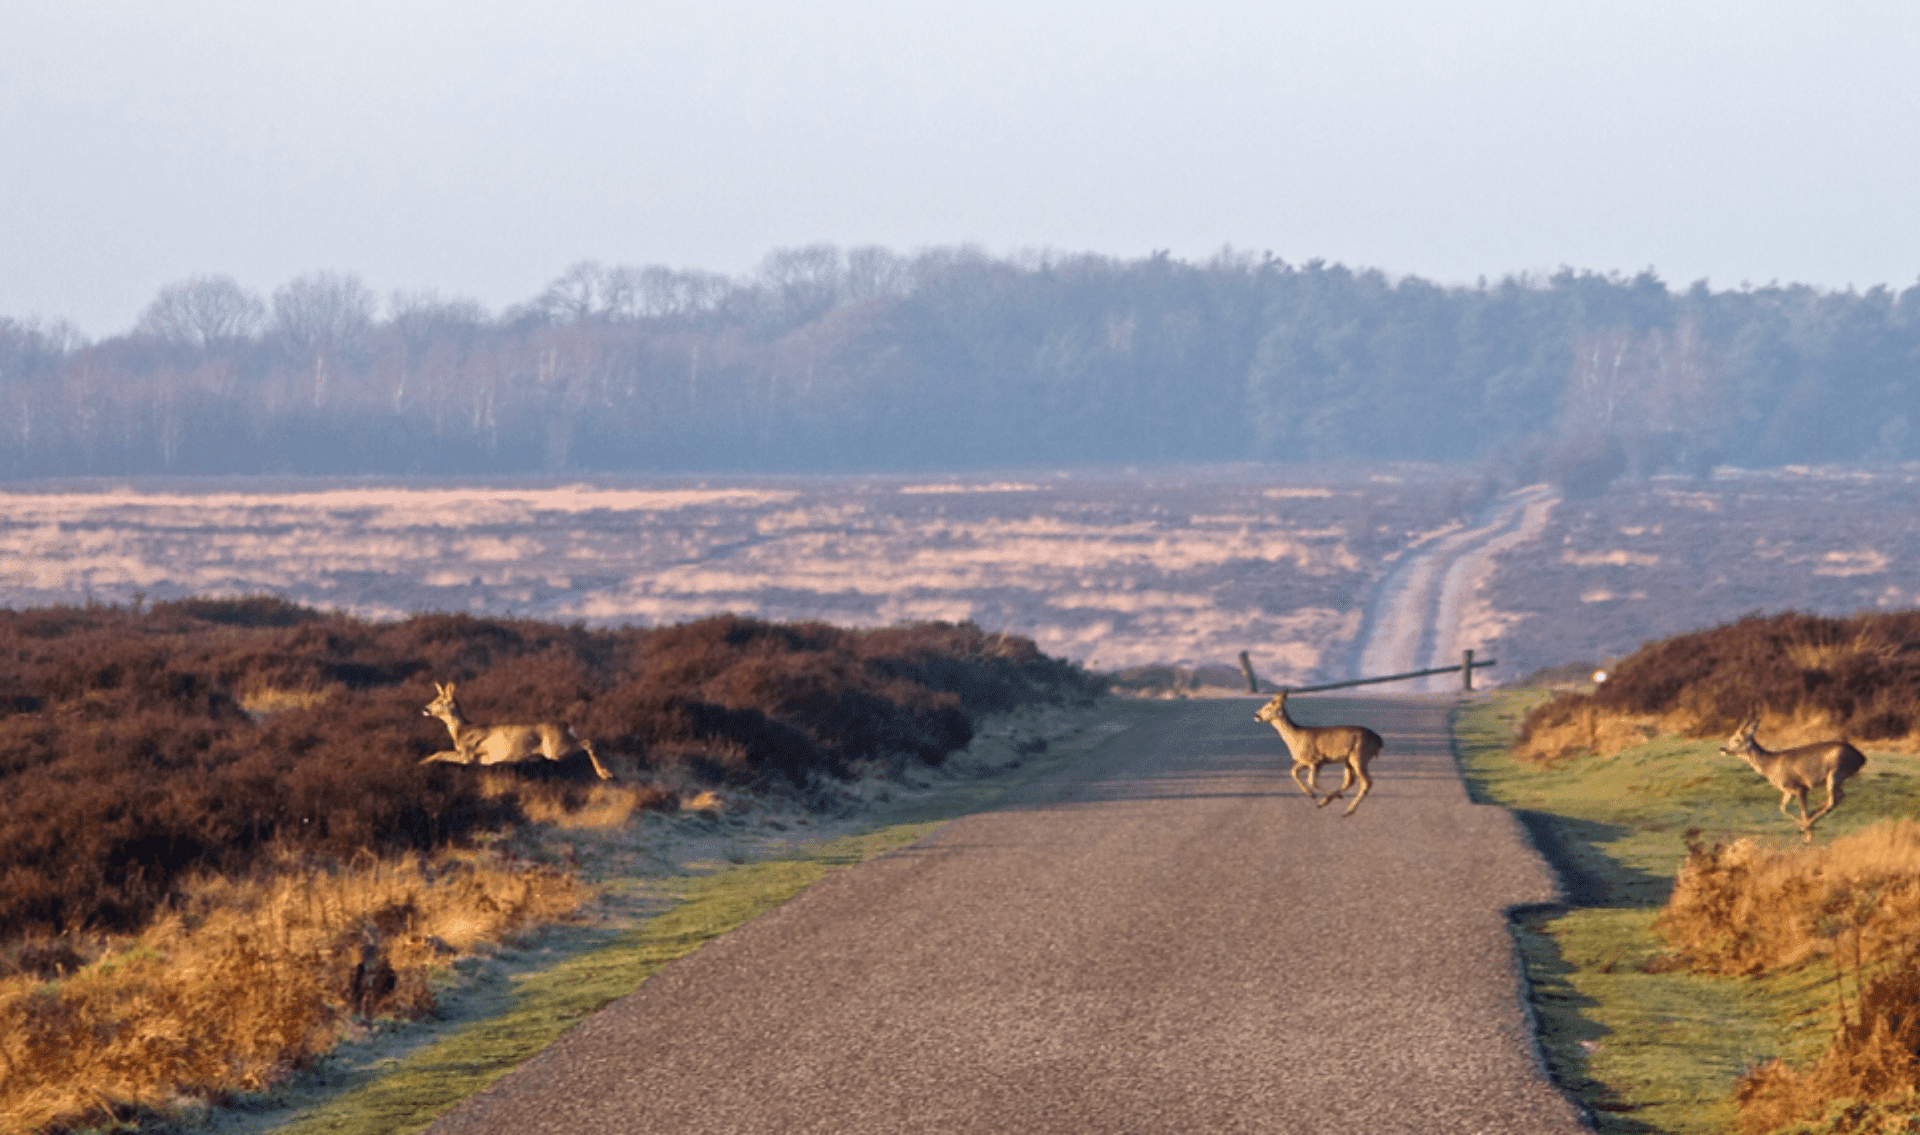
{"x": 1246, "y": 667}
{"x": 1466, "y": 672}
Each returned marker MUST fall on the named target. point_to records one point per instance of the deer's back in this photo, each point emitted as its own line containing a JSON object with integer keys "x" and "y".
{"x": 497, "y": 743}
{"x": 1813, "y": 764}
{"x": 1338, "y": 742}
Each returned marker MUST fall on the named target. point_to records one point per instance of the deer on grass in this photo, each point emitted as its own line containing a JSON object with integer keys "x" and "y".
{"x": 1353, "y": 746}
{"x": 1795, "y": 771}
{"x": 504, "y": 744}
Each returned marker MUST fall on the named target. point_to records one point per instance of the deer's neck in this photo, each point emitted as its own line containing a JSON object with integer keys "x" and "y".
{"x": 1286, "y": 725}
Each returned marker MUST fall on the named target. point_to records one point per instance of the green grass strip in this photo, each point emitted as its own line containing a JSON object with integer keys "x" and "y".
{"x": 411, "y": 1092}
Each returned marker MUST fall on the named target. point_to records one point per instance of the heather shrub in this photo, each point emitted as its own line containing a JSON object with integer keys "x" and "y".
{"x": 1868, "y": 1080}
{"x": 1747, "y": 906}
{"x": 198, "y": 735}
{"x": 1808, "y": 677}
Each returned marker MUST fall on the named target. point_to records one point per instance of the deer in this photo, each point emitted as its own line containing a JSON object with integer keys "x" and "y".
{"x": 504, "y": 744}
{"x": 1311, "y": 746}
{"x": 1795, "y": 771}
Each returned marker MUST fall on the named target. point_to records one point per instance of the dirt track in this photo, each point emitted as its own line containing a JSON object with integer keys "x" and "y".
{"x": 1162, "y": 936}
{"x": 1419, "y": 617}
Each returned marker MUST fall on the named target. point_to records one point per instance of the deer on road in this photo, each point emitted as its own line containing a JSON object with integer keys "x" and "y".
{"x": 1353, "y": 746}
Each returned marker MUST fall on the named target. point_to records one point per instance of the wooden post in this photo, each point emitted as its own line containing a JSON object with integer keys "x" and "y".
{"x": 1246, "y": 667}
{"x": 1466, "y": 672}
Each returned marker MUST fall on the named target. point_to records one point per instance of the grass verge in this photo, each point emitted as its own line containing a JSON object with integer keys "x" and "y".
{"x": 409, "y": 1093}
{"x": 1645, "y": 1047}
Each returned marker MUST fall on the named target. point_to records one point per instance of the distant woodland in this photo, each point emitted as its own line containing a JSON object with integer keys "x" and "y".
{"x": 866, "y": 359}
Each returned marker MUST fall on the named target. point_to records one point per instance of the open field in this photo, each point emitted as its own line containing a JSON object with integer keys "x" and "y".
{"x": 1109, "y": 571}
{"x": 1116, "y": 569}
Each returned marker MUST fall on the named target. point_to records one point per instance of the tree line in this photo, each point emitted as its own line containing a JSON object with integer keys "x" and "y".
{"x": 831, "y": 360}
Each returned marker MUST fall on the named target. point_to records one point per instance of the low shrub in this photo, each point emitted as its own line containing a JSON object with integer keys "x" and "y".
{"x": 1868, "y": 1080}
{"x": 141, "y": 747}
{"x": 1747, "y": 908}
{"x": 242, "y": 980}
{"x": 1808, "y": 677}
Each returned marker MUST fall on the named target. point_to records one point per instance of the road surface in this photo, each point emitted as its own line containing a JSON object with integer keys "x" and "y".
{"x": 1163, "y": 936}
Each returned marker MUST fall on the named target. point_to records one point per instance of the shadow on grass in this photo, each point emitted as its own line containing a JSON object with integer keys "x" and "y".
{"x": 1588, "y": 875}
{"x": 1566, "y": 1031}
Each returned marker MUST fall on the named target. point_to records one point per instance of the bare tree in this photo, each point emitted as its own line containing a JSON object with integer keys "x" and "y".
{"x": 202, "y": 311}
{"x": 873, "y": 272}
{"x": 575, "y": 294}
{"x": 423, "y": 317}
{"x": 804, "y": 282}
{"x": 321, "y": 317}
{"x": 325, "y": 313}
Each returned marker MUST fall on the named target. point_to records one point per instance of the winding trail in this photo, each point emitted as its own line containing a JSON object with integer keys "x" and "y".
{"x": 1163, "y": 935}
{"x": 1415, "y": 620}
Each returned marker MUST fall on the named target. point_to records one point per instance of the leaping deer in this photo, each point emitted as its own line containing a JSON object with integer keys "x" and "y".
{"x": 1795, "y": 771}
{"x": 504, "y": 744}
{"x": 1353, "y": 746}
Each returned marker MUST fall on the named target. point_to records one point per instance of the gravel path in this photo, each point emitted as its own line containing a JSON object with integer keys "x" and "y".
{"x": 1416, "y": 621}
{"x": 1164, "y": 936}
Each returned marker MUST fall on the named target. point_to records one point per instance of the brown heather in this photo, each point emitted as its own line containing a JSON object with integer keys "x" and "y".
{"x": 1807, "y": 677}
{"x": 218, "y": 846}
{"x": 1748, "y": 907}
{"x": 245, "y": 979}
{"x": 1868, "y": 1080}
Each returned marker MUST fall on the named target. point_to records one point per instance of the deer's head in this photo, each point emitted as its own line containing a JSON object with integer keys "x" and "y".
{"x": 1274, "y": 709}
{"x": 1741, "y": 743}
{"x": 443, "y": 705}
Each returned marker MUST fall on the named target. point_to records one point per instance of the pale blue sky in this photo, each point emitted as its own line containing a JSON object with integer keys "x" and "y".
{"x": 480, "y": 147}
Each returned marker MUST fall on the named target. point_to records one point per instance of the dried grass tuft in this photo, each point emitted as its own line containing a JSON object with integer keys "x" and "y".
{"x": 1747, "y": 907}
{"x": 1874, "y": 1062}
{"x": 246, "y": 979}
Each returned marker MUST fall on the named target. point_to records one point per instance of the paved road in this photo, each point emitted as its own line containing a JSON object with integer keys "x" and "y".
{"x": 1164, "y": 937}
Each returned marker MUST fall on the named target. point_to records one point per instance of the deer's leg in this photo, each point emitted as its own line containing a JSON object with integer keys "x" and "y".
{"x": 1324, "y": 800}
{"x": 595, "y": 758}
{"x": 1346, "y": 782}
{"x": 1366, "y": 785}
{"x": 1834, "y": 795}
{"x": 1308, "y": 785}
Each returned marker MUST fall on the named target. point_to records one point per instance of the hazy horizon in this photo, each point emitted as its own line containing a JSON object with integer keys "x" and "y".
{"x": 480, "y": 149}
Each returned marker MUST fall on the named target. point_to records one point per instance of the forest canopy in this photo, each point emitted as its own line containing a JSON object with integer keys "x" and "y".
{"x": 826, "y": 360}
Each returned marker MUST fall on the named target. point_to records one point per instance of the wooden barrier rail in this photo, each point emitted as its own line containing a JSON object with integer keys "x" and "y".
{"x": 1465, "y": 670}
